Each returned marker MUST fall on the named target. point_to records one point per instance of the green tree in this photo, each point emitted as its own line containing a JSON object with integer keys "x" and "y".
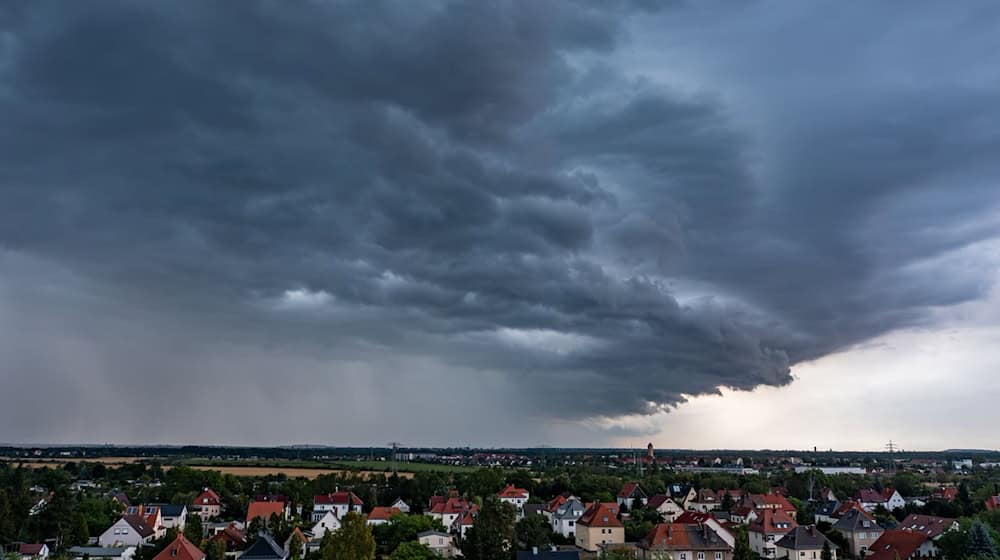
{"x": 413, "y": 551}
{"x": 295, "y": 548}
{"x": 216, "y": 550}
{"x": 193, "y": 530}
{"x": 80, "y": 533}
{"x": 403, "y": 528}
{"x": 491, "y": 536}
{"x": 827, "y": 553}
{"x": 532, "y": 531}
{"x": 979, "y": 542}
{"x": 742, "y": 550}
{"x": 353, "y": 541}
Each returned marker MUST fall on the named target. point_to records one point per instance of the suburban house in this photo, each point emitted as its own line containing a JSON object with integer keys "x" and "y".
{"x": 447, "y": 510}
{"x": 666, "y": 506}
{"x": 769, "y": 527}
{"x": 742, "y": 515}
{"x": 233, "y": 537}
{"x": 303, "y": 542}
{"x": 827, "y": 495}
{"x": 263, "y": 510}
{"x": 682, "y": 494}
{"x": 888, "y": 498}
{"x": 340, "y": 503}
{"x": 180, "y": 549}
{"x": 859, "y": 529}
{"x": 381, "y": 514}
{"x": 130, "y": 530}
{"x": 121, "y": 499}
{"x": 329, "y": 522}
{"x": 803, "y": 543}
{"x": 711, "y": 500}
{"x": 931, "y": 526}
{"x": 440, "y": 543}
{"x": 463, "y": 523}
{"x": 945, "y": 494}
{"x": 684, "y": 541}
{"x": 102, "y": 553}
{"x": 898, "y": 545}
{"x": 708, "y": 520}
{"x": 599, "y": 525}
{"x": 172, "y": 516}
{"x": 825, "y": 511}
{"x": 33, "y": 551}
{"x": 631, "y": 495}
{"x": 769, "y": 501}
{"x": 563, "y": 519}
{"x": 401, "y": 505}
{"x": 152, "y": 516}
{"x": 514, "y": 496}
{"x": 207, "y": 505}
{"x": 264, "y": 548}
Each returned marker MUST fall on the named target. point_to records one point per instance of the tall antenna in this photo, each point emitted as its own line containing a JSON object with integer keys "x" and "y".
{"x": 892, "y": 448}
{"x": 395, "y": 449}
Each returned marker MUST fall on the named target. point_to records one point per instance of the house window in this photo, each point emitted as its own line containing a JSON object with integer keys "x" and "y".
{"x": 862, "y": 536}
{"x": 718, "y": 556}
{"x": 701, "y": 556}
{"x": 684, "y": 556}
{"x": 571, "y": 523}
{"x": 125, "y": 531}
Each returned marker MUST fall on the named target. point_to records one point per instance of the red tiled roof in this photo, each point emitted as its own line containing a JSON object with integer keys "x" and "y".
{"x": 139, "y": 524}
{"x": 30, "y": 549}
{"x": 947, "y": 494}
{"x": 382, "y": 513}
{"x": 554, "y": 504}
{"x": 233, "y": 537}
{"x": 511, "y": 491}
{"x": 771, "y": 521}
{"x": 683, "y": 536}
{"x": 846, "y": 507}
{"x": 180, "y": 549}
{"x": 600, "y": 515}
{"x": 654, "y": 502}
{"x": 338, "y": 498}
{"x": 453, "y": 506}
{"x": 874, "y": 496}
{"x": 929, "y": 525}
{"x": 896, "y": 545}
{"x": 264, "y": 510}
{"x": 693, "y": 517}
{"x": 629, "y": 490}
{"x": 208, "y": 498}
{"x": 993, "y": 502}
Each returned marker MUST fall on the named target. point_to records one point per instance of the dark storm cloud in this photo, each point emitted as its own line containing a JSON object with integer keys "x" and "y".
{"x": 492, "y": 189}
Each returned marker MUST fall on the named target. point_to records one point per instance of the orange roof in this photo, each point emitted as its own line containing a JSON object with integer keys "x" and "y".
{"x": 511, "y": 491}
{"x": 554, "y": 504}
{"x": 600, "y": 515}
{"x": 382, "y": 513}
{"x": 264, "y": 510}
{"x": 772, "y": 521}
{"x": 180, "y": 549}
{"x": 207, "y": 498}
{"x": 896, "y": 544}
{"x": 683, "y": 536}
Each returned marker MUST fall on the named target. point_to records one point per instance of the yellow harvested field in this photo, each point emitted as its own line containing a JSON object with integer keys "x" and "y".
{"x": 292, "y": 472}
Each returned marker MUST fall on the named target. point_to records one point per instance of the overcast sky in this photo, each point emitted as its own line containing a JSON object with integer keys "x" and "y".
{"x": 702, "y": 224}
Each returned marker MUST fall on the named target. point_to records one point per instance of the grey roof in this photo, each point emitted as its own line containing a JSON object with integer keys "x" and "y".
{"x": 436, "y": 533}
{"x": 264, "y": 548}
{"x": 548, "y": 555}
{"x": 827, "y": 508}
{"x": 99, "y": 551}
{"x": 170, "y": 510}
{"x": 566, "y": 510}
{"x": 804, "y": 538}
{"x": 854, "y": 520}
{"x": 533, "y": 509}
